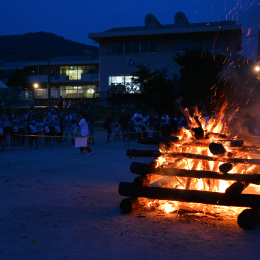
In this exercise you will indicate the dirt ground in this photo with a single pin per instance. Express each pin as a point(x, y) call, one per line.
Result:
point(58, 204)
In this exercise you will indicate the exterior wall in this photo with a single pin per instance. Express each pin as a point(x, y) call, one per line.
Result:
point(227, 33)
point(118, 64)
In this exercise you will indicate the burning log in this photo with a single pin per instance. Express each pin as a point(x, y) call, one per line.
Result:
point(215, 135)
point(205, 197)
point(142, 153)
point(154, 153)
point(157, 141)
point(128, 205)
point(141, 168)
point(225, 167)
point(248, 178)
point(142, 181)
point(248, 219)
point(198, 132)
point(220, 115)
point(229, 120)
point(217, 149)
point(236, 188)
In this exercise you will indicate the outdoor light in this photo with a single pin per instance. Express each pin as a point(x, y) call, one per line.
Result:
point(35, 85)
point(257, 68)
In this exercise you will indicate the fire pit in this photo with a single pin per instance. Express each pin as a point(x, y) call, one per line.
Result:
point(204, 166)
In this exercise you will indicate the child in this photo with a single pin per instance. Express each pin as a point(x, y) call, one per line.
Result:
point(33, 131)
point(138, 127)
point(15, 134)
point(74, 130)
point(117, 131)
point(58, 132)
point(91, 132)
point(150, 132)
point(47, 133)
point(2, 136)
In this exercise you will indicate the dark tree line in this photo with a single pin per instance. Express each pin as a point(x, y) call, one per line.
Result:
point(196, 86)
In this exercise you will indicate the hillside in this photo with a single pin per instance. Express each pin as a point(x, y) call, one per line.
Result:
point(37, 46)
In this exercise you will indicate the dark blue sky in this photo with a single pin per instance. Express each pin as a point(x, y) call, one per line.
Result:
point(75, 19)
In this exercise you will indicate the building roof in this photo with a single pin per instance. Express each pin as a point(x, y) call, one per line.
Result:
point(62, 60)
point(153, 27)
point(2, 84)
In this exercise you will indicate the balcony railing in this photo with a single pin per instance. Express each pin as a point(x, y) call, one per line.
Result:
point(62, 78)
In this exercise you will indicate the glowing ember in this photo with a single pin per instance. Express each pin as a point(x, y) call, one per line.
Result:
point(212, 130)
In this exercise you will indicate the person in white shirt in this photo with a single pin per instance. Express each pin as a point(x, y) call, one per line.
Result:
point(33, 132)
point(83, 123)
point(2, 137)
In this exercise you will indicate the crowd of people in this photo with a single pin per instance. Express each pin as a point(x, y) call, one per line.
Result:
point(54, 125)
point(141, 124)
point(51, 126)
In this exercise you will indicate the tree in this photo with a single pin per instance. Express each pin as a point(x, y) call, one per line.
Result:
point(199, 74)
point(17, 79)
point(158, 91)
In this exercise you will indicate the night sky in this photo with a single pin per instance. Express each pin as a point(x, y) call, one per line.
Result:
point(75, 19)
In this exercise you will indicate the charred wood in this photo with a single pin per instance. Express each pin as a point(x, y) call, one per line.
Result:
point(129, 205)
point(198, 132)
point(142, 181)
point(156, 141)
point(154, 153)
point(142, 153)
point(236, 188)
point(217, 149)
point(225, 167)
point(249, 178)
point(248, 219)
point(140, 168)
point(215, 135)
point(205, 197)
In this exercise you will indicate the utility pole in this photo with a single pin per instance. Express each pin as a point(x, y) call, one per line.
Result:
point(49, 81)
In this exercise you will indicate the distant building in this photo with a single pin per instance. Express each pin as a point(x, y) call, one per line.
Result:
point(70, 76)
point(120, 49)
point(258, 47)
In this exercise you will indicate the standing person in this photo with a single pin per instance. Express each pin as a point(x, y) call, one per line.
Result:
point(107, 126)
point(47, 134)
point(58, 133)
point(83, 123)
point(33, 132)
point(22, 124)
point(67, 123)
point(117, 131)
point(124, 122)
point(7, 118)
point(2, 137)
point(91, 132)
point(74, 130)
point(60, 102)
point(138, 128)
point(15, 134)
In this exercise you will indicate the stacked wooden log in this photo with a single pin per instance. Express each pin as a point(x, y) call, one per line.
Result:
point(141, 186)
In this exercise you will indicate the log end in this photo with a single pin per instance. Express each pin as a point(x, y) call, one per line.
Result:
point(247, 219)
point(217, 149)
point(129, 205)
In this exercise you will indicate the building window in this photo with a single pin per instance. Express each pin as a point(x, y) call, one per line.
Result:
point(128, 82)
point(208, 44)
point(73, 72)
point(128, 47)
point(86, 91)
point(132, 47)
point(177, 46)
point(144, 46)
point(136, 47)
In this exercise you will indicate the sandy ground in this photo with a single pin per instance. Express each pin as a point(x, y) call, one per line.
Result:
point(58, 204)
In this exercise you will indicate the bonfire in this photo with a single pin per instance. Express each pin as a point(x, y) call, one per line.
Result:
point(202, 169)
